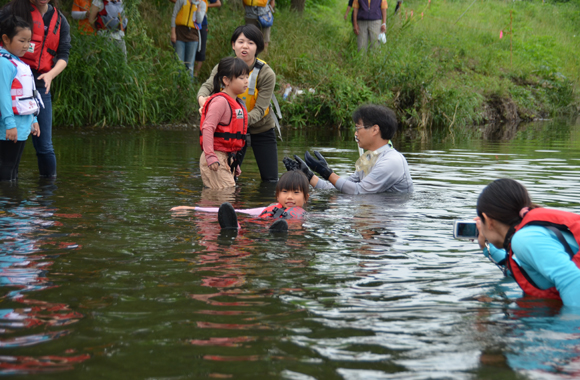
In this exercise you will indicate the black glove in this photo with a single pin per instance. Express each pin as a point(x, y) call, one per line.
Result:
point(298, 165)
point(290, 164)
point(320, 166)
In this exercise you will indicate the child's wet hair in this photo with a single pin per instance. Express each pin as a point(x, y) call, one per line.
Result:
point(293, 180)
point(11, 26)
point(229, 67)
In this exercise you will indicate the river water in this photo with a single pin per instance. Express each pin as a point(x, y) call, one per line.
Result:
point(101, 281)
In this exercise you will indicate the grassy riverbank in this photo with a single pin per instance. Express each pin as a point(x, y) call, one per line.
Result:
point(445, 68)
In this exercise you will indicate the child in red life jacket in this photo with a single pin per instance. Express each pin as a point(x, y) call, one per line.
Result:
point(19, 101)
point(291, 195)
point(224, 125)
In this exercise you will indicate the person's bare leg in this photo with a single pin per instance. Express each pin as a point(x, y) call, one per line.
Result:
point(197, 68)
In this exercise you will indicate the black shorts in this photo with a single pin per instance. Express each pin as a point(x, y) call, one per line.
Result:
point(200, 54)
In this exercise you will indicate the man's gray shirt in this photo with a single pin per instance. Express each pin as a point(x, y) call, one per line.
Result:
point(389, 174)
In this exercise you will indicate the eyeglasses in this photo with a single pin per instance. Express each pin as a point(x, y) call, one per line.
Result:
point(359, 127)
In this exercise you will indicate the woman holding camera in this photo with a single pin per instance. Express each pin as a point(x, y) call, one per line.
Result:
point(536, 246)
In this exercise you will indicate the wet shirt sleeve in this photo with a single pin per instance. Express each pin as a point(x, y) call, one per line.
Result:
point(7, 74)
point(388, 170)
point(543, 257)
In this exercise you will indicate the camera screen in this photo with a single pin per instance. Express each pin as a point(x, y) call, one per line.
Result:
point(467, 229)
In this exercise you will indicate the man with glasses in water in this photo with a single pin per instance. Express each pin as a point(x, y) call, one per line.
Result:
point(380, 169)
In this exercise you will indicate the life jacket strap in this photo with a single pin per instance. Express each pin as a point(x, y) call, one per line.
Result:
point(278, 213)
point(57, 24)
point(227, 135)
point(254, 77)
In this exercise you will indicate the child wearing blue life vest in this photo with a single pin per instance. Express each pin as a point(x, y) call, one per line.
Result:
point(292, 192)
point(224, 125)
point(19, 100)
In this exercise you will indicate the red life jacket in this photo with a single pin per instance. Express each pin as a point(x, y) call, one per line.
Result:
point(43, 47)
point(556, 221)
point(275, 210)
point(227, 137)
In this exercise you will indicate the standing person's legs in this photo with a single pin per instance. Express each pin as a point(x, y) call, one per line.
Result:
point(265, 31)
point(43, 143)
point(179, 47)
point(10, 153)
point(363, 35)
point(266, 34)
point(219, 179)
point(189, 54)
point(374, 28)
point(200, 55)
point(266, 153)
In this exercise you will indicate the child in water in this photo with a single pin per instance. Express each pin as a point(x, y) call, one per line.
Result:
point(292, 192)
point(224, 125)
point(19, 101)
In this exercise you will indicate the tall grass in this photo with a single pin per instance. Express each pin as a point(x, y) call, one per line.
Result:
point(442, 68)
point(101, 88)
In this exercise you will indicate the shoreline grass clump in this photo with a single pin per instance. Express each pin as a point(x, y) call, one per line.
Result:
point(444, 65)
point(100, 87)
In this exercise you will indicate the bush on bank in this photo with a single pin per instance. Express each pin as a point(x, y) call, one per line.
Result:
point(442, 68)
point(100, 88)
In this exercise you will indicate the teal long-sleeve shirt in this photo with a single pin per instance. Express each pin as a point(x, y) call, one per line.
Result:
point(8, 120)
point(539, 252)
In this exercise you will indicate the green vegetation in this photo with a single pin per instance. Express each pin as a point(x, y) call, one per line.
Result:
point(100, 88)
point(437, 69)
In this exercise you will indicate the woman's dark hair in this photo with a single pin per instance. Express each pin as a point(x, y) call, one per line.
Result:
point(229, 67)
point(502, 200)
point(293, 180)
point(11, 25)
point(372, 114)
point(252, 33)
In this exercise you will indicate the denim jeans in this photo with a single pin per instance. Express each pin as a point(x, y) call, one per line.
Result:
point(186, 53)
point(43, 143)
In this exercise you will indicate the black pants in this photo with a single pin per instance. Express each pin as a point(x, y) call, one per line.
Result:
point(10, 153)
point(266, 153)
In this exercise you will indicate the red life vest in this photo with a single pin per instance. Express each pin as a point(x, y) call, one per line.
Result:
point(83, 6)
point(43, 47)
point(275, 210)
point(560, 220)
point(25, 99)
point(227, 137)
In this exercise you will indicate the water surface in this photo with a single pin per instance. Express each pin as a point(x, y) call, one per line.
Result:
point(100, 280)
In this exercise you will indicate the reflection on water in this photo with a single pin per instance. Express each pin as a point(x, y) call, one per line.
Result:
point(100, 280)
point(25, 260)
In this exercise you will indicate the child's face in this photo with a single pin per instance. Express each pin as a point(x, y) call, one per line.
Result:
point(291, 198)
point(239, 85)
point(20, 42)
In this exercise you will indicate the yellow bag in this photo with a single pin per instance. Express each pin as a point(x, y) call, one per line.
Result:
point(256, 3)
